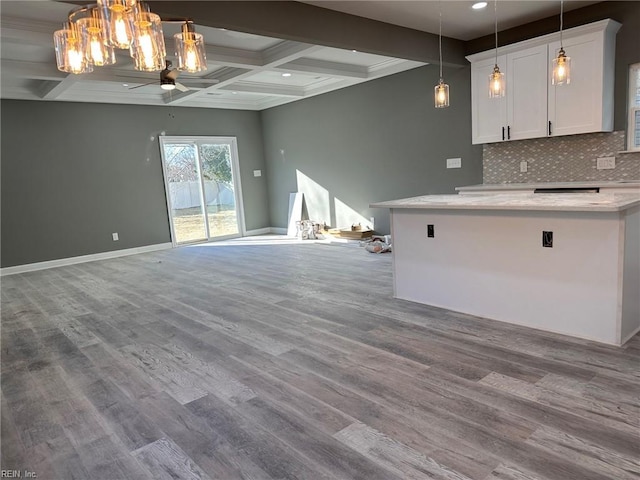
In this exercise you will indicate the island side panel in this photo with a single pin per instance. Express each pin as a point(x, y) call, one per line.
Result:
point(492, 264)
point(631, 276)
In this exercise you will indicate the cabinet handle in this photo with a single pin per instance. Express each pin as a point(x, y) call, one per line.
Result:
point(503, 133)
point(509, 132)
point(549, 127)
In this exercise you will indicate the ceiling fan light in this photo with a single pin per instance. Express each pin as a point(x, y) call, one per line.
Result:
point(147, 47)
point(190, 52)
point(70, 46)
point(167, 85)
point(117, 17)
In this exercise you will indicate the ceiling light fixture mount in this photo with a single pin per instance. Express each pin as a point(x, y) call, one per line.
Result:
point(441, 91)
point(561, 63)
point(496, 78)
point(479, 5)
point(93, 31)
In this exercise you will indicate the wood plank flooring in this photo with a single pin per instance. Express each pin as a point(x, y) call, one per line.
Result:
point(294, 361)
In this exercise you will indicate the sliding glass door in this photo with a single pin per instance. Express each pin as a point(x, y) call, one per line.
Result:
point(203, 188)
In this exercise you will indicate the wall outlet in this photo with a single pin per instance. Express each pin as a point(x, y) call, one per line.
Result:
point(523, 167)
point(454, 163)
point(431, 231)
point(547, 239)
point(115, 237)
point(605, 163)
point(257, 173)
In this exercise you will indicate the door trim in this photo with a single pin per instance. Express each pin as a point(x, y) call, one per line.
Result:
point(235, 171)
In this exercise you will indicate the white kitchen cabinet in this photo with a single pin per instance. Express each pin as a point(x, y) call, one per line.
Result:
point(522, 112)
point(532, 107)
point(489, 114)
point(527, 93)
point(586, 103)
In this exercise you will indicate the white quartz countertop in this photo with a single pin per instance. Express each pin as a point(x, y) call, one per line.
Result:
point(532, 186)
point(577, 202)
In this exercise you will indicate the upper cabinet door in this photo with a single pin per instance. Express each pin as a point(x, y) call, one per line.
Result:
point(527, 93)
point(586, 103)
point(489, 114)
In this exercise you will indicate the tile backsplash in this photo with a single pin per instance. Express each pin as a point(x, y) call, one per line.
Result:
point(561, 159)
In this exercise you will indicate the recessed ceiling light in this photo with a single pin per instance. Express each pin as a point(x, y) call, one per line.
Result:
point(479, 5)
point(354, 51)
point(234, 93)
point(125, 84)
point(286, 74)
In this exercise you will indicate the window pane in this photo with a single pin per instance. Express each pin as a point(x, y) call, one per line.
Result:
point(636, 130)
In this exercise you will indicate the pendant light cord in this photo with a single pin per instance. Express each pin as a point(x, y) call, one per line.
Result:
point(495, 11)
point(440, 41)
point(561, 12)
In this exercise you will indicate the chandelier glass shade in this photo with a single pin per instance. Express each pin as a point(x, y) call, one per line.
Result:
point(70, 46)
point(190, 52)
point(93, 32)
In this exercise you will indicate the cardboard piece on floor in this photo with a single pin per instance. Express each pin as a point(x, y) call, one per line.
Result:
point(295, 212)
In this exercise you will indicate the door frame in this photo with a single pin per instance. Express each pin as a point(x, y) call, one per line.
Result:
point(235, 172)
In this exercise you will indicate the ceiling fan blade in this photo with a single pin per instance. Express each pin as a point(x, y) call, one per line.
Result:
point(143, 85)
point(172, 74)
point(181, 87)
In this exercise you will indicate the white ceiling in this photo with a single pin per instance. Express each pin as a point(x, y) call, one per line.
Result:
point(244, 70)
point(459, 20)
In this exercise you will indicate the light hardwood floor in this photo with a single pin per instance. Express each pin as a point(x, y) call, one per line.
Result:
point(295, 362)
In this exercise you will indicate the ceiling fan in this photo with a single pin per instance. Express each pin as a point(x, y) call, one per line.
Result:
point(168, 78)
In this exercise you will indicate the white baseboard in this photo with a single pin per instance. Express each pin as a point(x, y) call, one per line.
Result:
point(258, 231)
point(31, 267)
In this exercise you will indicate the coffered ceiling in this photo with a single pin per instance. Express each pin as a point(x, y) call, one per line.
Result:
point(245, 69)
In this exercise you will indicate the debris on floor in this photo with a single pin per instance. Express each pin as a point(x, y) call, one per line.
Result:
point(377, 244)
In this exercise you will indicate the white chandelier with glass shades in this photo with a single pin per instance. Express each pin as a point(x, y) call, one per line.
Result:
point(92, 33)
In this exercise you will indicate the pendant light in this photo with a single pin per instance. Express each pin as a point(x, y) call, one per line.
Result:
point(92, 32)
point(190, 52)
point(441, 94)
point(562, 63)
point(496, 79)
point(117, 16)
point(70, 45)
point(89, 22)
point(147, 46)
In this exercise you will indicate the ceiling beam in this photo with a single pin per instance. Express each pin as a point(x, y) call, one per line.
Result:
point(51, 90)
point(334, 69)
point(267, 89)
point(318, 26)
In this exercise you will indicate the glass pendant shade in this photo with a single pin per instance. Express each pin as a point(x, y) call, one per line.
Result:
point(70, 45)
point(561, 69)
point(441, 95)
point(147, 48)
point(89, 22)
point(117, 16)
point(190, 53)
point(496, 83)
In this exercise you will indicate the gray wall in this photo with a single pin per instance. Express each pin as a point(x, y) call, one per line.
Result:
point(73, 173)
point(376, 141)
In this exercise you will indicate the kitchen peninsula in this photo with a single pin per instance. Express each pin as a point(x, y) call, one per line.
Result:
point(565, 263)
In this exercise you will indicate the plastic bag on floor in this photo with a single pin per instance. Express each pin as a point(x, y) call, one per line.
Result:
point(377, 246)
